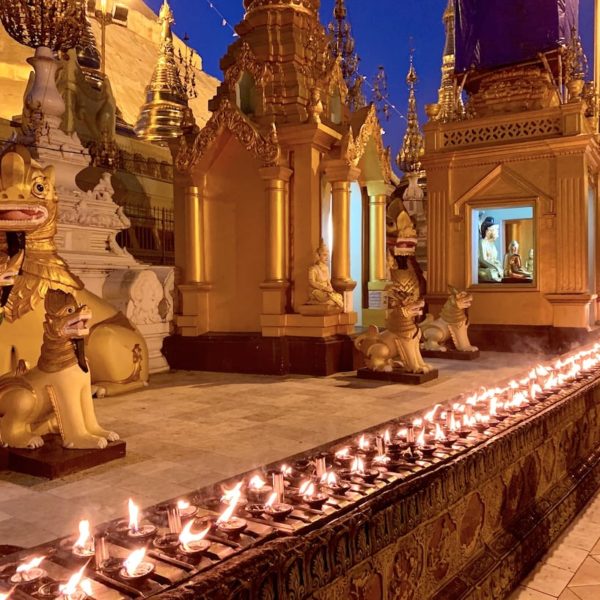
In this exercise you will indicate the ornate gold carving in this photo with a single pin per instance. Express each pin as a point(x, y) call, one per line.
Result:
point(265, 147)
point(55, 24)
point(353, 149)
point(530, 128)
point(246, 60)
point(307, 5)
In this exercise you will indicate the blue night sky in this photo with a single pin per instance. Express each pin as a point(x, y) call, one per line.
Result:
point(383, 30)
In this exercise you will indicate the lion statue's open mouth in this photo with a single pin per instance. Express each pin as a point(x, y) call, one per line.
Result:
point(23, 217)
point(77, 326)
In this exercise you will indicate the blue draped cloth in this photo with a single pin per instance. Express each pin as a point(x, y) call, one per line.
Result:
point(494, 33)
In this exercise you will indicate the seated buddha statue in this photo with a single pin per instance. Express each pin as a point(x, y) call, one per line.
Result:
point(513, 267)
point(321, 291)
point(490, 268)
point(529, 262)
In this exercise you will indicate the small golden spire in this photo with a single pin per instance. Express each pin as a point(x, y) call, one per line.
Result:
point(409, 157)
point(449, 101)
point(166, 98)
point(342, 47)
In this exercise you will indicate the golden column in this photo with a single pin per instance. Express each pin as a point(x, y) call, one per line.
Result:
point(340, 176)
point(195, 271)
point(276, 271)
point(378, 191)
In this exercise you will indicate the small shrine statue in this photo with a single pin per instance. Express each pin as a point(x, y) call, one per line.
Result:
point(319, 280)
point(490, 267)
point(529, 263)
point(56, 395)
point(513, 268)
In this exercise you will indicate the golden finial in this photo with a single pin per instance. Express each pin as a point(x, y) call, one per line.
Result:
point(166, 97)
point(449, 101)
point(342, 47)
point(409, 157)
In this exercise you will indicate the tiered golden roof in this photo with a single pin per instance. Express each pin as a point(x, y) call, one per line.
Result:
point(310, 5)
point(409, 157)
point(166, 100)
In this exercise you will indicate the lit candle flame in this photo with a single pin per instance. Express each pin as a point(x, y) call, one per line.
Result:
point(430, 416)
point(228, 495)
point(387, 437)
point(440, 436)
point(228, 512)
point(84, 539)
point(134, 514)
point(86, 586)
point(421, 438)
point(343, 453)
point(6, 595)
point(256, 483)
point(363, 443)
point(402, 433)
point(381, 459)
point(36, 561)
point(358, 465)
point(103, 6)
point(133, 561)
point(271, 499)
point(186, 536)
point(307, 489)
point(417, 422)
point(493, 406)
point(453, 425)
point(286, 470)
point(68, 589)
point(329, 478)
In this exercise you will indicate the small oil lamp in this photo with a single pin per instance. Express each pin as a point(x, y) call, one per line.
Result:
point(426, 449)
point(229, 524)
point(330, 481)
point(193, 544)
point(137, 530)
point(444, 439)
point(135, 568)
point(30, 571)
point(84, 545)
point(186, 510)
point(358, 469)
point(308, 493)
point(381, 460)
point(258, 489)
point(73, 589)
point(344, 458)
point(278, 511)
point(365, 447)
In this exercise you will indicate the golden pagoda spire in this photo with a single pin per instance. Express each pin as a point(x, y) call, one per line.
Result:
point(449, 101)
point(342, 46)
point(409, 157)
point(166, 98)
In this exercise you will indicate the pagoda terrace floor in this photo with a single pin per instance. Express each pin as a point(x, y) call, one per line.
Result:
point(191, 429)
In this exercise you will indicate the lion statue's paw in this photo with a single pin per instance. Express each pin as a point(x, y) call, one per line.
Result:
point(85, 442)
point(113, 436)
point(35, 442)
point(98, 391)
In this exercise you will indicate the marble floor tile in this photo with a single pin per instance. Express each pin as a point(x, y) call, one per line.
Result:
point(566, 557)
point(568, 595)
point(523, 593)
point(548, 579)
point(584, 534)
point(587, 574)
point(586, 592)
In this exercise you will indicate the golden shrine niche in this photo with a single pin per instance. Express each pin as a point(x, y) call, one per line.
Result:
point(281, 165)
point(513, 196)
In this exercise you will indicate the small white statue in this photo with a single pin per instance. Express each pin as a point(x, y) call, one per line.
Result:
point(319, 281)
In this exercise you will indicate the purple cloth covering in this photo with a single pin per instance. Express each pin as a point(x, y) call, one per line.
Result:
point(493, 33)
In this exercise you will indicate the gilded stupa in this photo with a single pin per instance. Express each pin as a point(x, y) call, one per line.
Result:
point(166, 98)
point(131, 52)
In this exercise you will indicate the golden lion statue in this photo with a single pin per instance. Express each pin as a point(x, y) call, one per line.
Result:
point(398, 345)
point(28, 212)
point(452, 324)
point(57, 394)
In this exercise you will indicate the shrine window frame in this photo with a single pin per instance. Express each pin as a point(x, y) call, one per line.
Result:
point(472, 208)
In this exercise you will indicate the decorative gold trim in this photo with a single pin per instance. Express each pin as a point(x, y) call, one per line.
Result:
point(228, 117)
point(246, 61)
point(337, 82)
point(353, 149)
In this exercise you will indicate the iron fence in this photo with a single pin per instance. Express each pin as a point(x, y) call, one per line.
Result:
point(151, 237)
